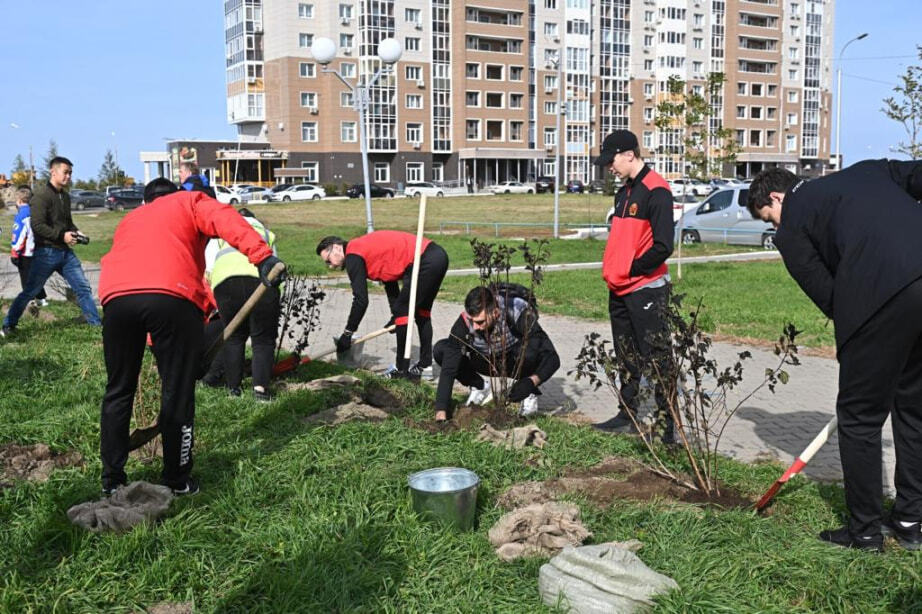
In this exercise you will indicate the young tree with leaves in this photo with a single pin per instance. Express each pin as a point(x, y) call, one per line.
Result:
point(906, 108)
point(109, 172)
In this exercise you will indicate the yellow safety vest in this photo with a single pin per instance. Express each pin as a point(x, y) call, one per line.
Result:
point(231, 263)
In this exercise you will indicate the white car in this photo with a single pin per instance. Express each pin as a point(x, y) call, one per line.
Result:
point(512, 187)
point(224, 195)
point(423, 187)
point(298, 191)
point(681, 187)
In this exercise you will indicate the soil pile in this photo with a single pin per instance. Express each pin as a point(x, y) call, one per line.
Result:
point(33, 462)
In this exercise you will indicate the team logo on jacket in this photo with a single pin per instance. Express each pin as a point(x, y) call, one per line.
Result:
point(632, 210)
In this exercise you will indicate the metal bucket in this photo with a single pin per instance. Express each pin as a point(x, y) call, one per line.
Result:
point(447, 495)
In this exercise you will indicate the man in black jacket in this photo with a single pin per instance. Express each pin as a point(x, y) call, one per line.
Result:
point(55, 235)
point(496, 335)
point(850, 241)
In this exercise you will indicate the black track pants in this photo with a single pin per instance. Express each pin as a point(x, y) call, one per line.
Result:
point(261, 326)
point(433, 263)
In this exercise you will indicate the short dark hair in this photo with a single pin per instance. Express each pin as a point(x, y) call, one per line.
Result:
point(478, 299)
point(768, 181)
point(157, 188)
point(55, 161)
point(329, 241)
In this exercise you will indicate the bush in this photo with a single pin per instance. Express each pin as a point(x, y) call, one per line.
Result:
point(332, 189)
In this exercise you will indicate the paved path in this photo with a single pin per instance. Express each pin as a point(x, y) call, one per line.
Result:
point(768, 425)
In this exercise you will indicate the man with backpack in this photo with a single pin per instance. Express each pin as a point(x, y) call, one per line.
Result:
point(496, 335)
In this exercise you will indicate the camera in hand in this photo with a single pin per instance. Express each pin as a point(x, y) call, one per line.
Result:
point(81, 238)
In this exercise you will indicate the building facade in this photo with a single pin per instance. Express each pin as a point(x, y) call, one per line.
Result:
point(481, 87)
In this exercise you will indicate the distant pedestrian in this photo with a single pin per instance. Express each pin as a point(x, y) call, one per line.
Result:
point(55, 235)
point(850, 240)
point(634, 268)
point(22, 245)
point(191, 179)
point(470, 185)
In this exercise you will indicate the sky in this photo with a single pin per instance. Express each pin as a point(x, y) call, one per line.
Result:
point(126, 75)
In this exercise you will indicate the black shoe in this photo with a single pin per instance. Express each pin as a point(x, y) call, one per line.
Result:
point(262, 396)
point(398, 374)
point(234, 392)
point(842, 537)
point(909, 537)
point(212, 383)
point(109, 490)
point(190, 488)
point(6, 331)
point(620, 424)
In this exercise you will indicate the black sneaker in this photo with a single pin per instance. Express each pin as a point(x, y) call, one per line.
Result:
point(842, 537)
point(235, 392)
point(397, 374)
point(190, 488)
point(262, 396)
point(909, 537)
point(109, 490)
point(620, 424)
point(6, 331)
point(418, 372)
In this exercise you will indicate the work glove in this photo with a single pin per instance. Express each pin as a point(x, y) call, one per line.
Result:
point(265, 267)
point(344, 341)
point(521, 389)
point(391, 323)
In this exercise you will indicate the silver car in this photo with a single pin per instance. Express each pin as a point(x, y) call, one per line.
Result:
point(723, 218)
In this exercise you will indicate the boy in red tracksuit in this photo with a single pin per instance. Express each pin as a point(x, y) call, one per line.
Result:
point(387, 256)
point(634, 268)
point(151, 282)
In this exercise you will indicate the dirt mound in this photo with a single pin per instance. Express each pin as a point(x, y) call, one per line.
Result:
point(33, 462)
point(611, 480)
point(471, 418)
point(171, 608)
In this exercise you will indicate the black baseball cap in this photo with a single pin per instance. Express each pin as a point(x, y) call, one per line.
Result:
point(615, 143)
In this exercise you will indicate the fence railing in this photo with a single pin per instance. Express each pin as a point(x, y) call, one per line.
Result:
point(592, 226)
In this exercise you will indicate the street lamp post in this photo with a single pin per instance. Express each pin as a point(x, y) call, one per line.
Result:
point(389, 51)
point(557, 170)
point(839, 101)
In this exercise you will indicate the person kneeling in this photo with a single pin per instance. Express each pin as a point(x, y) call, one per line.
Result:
point(496, 335)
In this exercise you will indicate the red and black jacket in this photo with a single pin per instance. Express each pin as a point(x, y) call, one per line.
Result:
point(641, 234)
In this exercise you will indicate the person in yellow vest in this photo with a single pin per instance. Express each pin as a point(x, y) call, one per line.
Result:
point(233, 280)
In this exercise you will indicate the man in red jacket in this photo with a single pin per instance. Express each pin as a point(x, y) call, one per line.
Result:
point(387, 256)
point(634, 267)
point(151, 282)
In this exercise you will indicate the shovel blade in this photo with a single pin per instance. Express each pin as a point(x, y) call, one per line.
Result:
point(141, 436)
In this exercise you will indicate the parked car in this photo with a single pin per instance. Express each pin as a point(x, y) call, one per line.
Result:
point(545, 184)
point(240, 186)
point(723, 218)
point(417, 189)
point(224, 195)
point(253, 192)
point(575, 186)
point(688, 186)
point(683, 203)
point(86, 199)
point(297, 191)
point(512, 187)
point(128, 198)
point(358, 191)
point(596, 186)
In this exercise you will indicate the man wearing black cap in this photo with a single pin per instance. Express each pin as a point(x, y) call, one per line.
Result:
point(634, 267)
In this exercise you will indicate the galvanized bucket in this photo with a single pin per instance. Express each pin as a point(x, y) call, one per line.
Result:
point(447, 495)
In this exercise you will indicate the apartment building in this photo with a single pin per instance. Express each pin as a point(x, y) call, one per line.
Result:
point(481, 87)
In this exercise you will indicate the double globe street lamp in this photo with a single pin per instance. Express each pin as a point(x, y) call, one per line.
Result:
point(389, 52)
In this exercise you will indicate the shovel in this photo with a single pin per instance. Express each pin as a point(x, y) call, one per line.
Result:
point(292, 362)
point(142, 435)
point(798, 464)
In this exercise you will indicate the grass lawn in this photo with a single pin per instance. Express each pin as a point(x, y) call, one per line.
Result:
point(298, 518)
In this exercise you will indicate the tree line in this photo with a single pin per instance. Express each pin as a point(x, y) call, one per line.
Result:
point(110, 173)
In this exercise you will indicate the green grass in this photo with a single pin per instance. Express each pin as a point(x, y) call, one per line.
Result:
point(298, 518)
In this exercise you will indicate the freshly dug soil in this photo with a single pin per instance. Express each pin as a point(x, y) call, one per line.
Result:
point(171, 608)
point(33, 462)
point(615, 479)
point(471, 419)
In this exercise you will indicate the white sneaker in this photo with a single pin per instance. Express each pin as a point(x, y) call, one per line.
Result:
point(481, 396)
point(529, 405)
point(43, 302)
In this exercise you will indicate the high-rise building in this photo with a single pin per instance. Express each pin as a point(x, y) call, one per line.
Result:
point(480, 87)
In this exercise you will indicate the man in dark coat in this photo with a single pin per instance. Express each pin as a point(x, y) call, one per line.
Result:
point(850, 241)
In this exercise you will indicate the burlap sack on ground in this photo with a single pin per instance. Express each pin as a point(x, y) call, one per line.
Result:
point(126, 507)
point(346, 412)
point(540, 529)
point(514, 438)
point(600, 579)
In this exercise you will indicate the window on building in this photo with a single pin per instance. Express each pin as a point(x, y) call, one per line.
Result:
point(647, 40)
point(438, 171)
point(647, 89)
point(793, 53)
point(494, 130)
point(347, 133)
point(494, 100)
point(551, 28)
point(791, 119)
point(772, 90)
point(494, 72)
point(516, 130)
point(698, 90)
point(697, 67)
point(755, 89)
point(792, 74)
point(755, 138)
point(414, 101)
point(472, 70)
point(305, 40)
point(740, 112)
point(795, 30)
point(515, 73)
point(699, 19)
point(345, 11)
point(550, 82)
point(416, 171)
point(305, 11)
point(414, 73)
point(648, 64)
point(472, 99)
point(755, 113)
point(741, 138)
point(414, 133)
point(648, 16)
point(309, 132)
point(648, 114)
point(792, 95)
point(698, 43)
point(550, 4)
point(771, 113)
point(347, 69)
point(311, 171)
point(308, 99)
point(413, 15)
point(741, 88)
point(382, 172)
point(472, 129)
point(647, 139)
point(411, 43)
point(515, 101)
point(550, 108)
point(550, 137)
point(770, 138)
point(790, 143)
point(307, 70)
point(346, 99)
point(346, 40)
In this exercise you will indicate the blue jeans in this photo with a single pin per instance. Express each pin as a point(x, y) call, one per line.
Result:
point(45, 262)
